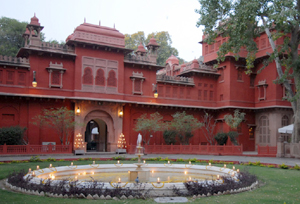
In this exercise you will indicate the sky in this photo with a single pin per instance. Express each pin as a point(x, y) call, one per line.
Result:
point(61, 17)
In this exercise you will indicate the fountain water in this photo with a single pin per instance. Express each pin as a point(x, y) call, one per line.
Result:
point(142, 174)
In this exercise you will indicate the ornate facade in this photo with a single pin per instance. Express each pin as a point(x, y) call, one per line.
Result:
point(96, 74)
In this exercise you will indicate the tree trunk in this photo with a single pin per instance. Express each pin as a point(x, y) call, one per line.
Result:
point(294, 54)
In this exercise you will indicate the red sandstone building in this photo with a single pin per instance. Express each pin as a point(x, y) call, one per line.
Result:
point(96, 74)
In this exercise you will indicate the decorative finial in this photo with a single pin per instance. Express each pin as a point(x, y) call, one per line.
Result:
point(114, 26)
point(34, 14)
point(84, 20)
point(99, 23)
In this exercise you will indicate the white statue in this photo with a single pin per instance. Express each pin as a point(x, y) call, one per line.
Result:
point(139, 140)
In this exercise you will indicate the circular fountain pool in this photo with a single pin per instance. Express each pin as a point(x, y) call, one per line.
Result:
point(161, 178)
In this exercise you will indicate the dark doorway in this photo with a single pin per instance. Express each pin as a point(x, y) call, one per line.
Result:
point(96, 136)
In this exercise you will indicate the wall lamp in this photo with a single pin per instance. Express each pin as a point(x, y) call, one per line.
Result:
point(78, 111)
point(155, 94)
point(34, 83)
point(155, 90)
point(121, 113)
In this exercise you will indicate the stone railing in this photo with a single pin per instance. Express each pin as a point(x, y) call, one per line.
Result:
point(56, 47)
point(175, 79)
point(285, 149)
point(134, 58)
point(116, 41)
point(15, 60)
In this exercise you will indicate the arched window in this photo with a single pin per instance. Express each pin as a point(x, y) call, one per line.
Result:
point(100, 79)
point(111, 80)
point(284, 121)
point(264, 132)
point(88, 76)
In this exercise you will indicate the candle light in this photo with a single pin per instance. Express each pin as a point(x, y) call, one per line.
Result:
point(218, 177)
point(144, 161)
point(158, 180)
point(84, 173)
point(37, 167)
point(29, 170)
point(118, 161)
point(189, 162)
point(93, 162)
point(92, 173)
point(75, 177)
point(233, 167)
point(232, 174)
point(129, 172)
point(209, 164)
point(119, 180)
point(190, 178)
point(185, 172)
point(33, 174)
point(238, 171)
point(152, 171)
point(224, 165)
point(71, 163)
point(168, 162)
point(50, 165)
point(53, 177)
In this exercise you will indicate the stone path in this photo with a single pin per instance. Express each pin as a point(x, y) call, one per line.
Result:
point(272, 160)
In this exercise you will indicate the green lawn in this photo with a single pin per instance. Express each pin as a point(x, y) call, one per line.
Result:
point(280, 186)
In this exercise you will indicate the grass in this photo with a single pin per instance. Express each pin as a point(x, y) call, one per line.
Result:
point(280, 186)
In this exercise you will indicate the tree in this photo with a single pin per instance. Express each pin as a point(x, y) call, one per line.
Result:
point(162, 38)
point(243, 21)
point(61, 120)
point(11, 40)
point(148, 125)
point(208, 129)
point(185, 125)
point(233, 121)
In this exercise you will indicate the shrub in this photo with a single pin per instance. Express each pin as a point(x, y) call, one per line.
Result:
point(212, 187)
point(73, 188)
point(192, 159)
point(50, 159)
point(169, 137)
point(296, 167)
point(221, 138)
point(179, 160)
point(232, 136)
point(271, 166)
point(12, 135)
point(283, 166)
point(35, 159)
point(119, 158)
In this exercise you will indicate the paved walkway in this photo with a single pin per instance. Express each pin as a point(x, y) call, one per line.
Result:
point(272, 160)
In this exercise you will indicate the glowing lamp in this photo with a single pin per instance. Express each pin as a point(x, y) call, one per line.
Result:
point(155, 94)
point(34, 83)
point(78, 111)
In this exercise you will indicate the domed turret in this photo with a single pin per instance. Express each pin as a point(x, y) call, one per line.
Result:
point(195, 64)
point(152, 49)
point(152, 42)
point(34, 21)
point(172, 60)
point(141, 50)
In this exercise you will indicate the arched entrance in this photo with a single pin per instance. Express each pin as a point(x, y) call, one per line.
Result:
point(96, 136)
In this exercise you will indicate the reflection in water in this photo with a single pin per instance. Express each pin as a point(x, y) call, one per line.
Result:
point(166, 177)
